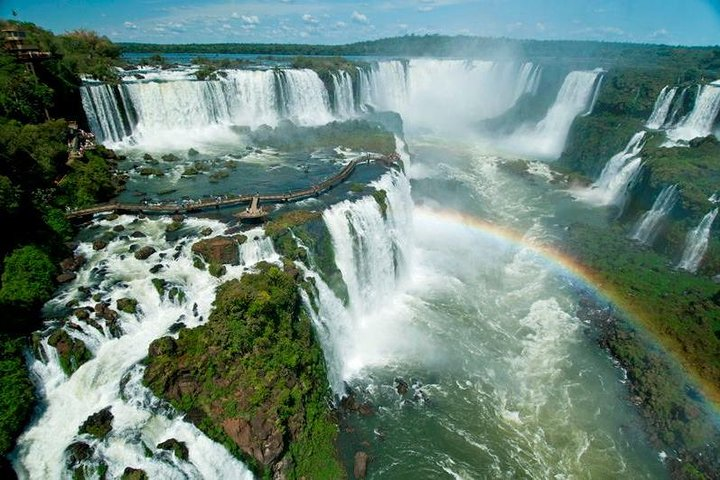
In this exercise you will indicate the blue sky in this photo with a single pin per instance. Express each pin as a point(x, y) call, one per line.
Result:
point(686, 22)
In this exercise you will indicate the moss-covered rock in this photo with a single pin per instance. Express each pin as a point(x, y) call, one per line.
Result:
point(127, 305)
point(217, 269)
point(98, 424)
point(71, 351)
point(254, 377)
point(177, 447)
point(221, 249)
point(133, 474)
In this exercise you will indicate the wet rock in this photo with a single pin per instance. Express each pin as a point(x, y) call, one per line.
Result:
point(221, 250)
point(156, 268)
point(66, 277)
point(177, 218)
point(170, 157)
point(133, 474)
point(177, 447)
point(99, 244)
point(174, 227)
point(103, 310)
point(144, 252)
point(260, 437)
point(176, 327)
point(401, 386)
point(159, 285)
point(360, 467)
point(162, 346)
point(72, 352)
point(98, 424)
point(137, 234)
point(147, 156)
point(206, 231)
point(217, 270)
point(127, 305)
point(78, 452)
point(82, 314)
point(118, 228)
point(111, 217)
point(72, 264)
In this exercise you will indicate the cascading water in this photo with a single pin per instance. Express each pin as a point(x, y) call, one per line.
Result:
point(372, 251)
point(595, 96)
point(662, 108)
point(697, 242)
point(649, 224)
point(611, 187)
point(113, 376)
point(547, 138)
point(343, 94)
point(701, 120)
point(172, 108)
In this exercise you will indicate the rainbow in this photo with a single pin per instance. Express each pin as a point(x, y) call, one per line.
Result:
point(590, 279)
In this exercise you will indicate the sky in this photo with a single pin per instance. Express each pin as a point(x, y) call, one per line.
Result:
point(674, 22)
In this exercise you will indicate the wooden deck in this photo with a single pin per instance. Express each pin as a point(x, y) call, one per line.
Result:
point(229, 201)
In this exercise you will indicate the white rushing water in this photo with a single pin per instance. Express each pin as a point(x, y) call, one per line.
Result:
point(611, 186)
point(546, 139)
point(113, 377)
point(344, 98)
point(649, 224)
point(372, 253)
point(697, 242)
point(701, 120)
point(660, 112)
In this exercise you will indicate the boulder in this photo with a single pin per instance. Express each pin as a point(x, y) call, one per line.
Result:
point(177, 447)
point(138, 234)
point(78, 452)
point(66, 277)
point(81, 314)
point(401, 386)
point(71, 352)
point(360, 467)
point(127, 305)
point(133, 474)
point(72, 264)
point(144, 252)
point(162, 346)
point(98, 424)
point(99, 244)
point(260, 437)
point(221, 250)
point(103, 310)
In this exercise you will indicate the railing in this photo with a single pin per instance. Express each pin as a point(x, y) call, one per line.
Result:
point(220, 202)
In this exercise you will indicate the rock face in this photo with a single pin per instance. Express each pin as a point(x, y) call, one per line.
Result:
point(360, 467)
point(267, 393)
point(144, 252)
point(220, 250)
point(66, 277)
point(127, 305)
point(134, 474)
point(98, 424)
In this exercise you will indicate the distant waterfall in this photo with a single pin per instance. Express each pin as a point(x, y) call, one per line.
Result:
point(611, 186)
point(446, 94)
point(595, 96)
point(547, 138)
point(371, 251)
point(700, 121)
point(697, 242)
point(647, 227)
point(661, 109)
point(168, 104)
point(344, 99)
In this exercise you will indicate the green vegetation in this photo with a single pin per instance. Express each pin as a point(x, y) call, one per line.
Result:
point(16, 392)
point(254, 377)
point(358, 135)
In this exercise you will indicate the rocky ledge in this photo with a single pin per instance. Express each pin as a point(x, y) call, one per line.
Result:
point(254, 378)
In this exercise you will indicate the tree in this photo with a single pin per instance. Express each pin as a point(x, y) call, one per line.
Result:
point(27, 280)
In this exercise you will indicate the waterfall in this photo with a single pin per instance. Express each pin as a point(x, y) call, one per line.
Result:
point(547, 138)
point(113, 376)
point(649, 224)
point(697, 242)
point(344, 99)
point(661, 109)
point(677, 108)
point(305, 97)
point(446, 94)
point(611, 186)
point(372, 252)
point(172, 106)
point(701, 120)
point(595, 96)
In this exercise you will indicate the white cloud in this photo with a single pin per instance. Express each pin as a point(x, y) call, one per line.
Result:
point(307, 18)
point(540, 26)
point(359, 17)
point(662, 33)
point(340, 24)
point(130, 25)
point(250, 19)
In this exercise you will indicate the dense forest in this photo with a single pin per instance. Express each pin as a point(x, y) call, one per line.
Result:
point(38, 181)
